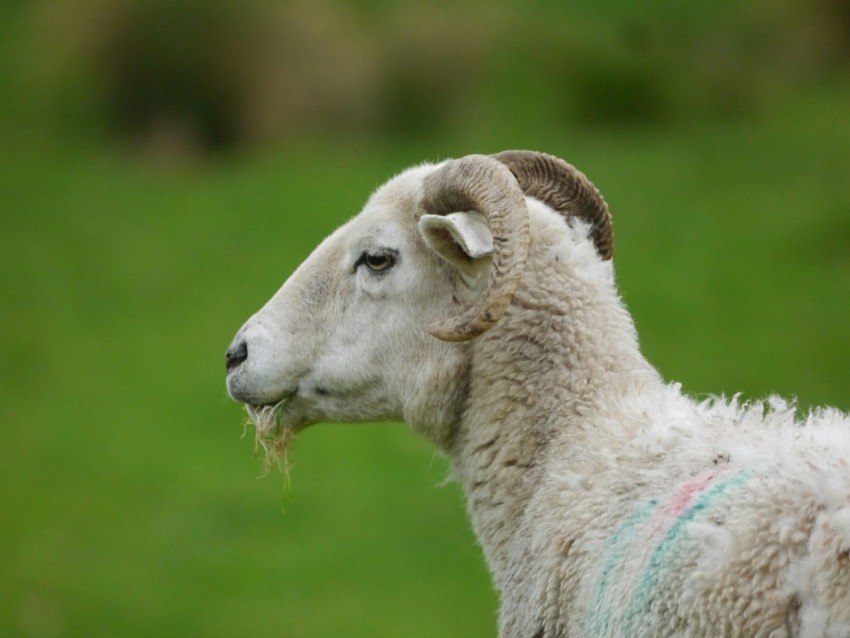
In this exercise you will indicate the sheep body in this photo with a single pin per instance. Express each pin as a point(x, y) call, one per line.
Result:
point(607, 503)
point(728, 520)
point(640, 512)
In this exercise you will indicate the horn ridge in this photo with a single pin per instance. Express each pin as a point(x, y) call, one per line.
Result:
point(565, 189)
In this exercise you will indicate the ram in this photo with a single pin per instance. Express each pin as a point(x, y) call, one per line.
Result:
point(475, 300)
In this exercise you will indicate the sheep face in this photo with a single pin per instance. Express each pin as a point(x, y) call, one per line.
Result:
point(437, 252)
point(347, 336)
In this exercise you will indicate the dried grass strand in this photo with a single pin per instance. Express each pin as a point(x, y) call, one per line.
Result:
point(272, 436)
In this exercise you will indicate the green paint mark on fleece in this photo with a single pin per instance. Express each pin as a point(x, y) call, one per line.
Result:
point(599, 616)
point(649, 577)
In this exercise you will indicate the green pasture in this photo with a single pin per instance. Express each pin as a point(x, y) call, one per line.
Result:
point(131, 503)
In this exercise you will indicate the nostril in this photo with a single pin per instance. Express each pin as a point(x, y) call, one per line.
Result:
point(236, 354)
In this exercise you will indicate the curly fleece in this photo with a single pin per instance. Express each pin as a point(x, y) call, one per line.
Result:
point(609, 504)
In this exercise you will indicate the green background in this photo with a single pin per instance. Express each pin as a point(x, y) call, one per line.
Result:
point(137, 233)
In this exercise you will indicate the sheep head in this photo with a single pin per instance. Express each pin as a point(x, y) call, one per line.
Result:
point(438, 250)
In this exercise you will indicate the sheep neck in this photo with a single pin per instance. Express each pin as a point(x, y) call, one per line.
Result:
point(543, 371)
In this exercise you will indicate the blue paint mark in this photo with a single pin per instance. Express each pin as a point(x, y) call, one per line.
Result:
point(599, 614)
point(649, 577)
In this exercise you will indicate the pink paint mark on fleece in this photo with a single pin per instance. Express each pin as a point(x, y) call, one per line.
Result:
point(683, 498)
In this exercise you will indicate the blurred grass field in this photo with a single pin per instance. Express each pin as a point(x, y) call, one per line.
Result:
point(131, 505)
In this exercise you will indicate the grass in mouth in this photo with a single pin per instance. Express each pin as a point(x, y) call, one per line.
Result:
point(274, 438)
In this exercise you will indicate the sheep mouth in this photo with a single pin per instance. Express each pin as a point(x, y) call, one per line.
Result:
point(272, 434)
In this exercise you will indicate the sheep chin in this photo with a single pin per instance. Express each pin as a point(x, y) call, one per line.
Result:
point(271, 433)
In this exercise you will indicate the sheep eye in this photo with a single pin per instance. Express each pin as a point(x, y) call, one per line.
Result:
point(379, 262)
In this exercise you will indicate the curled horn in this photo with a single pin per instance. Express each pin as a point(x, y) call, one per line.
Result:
point(495, 186)
point(565, 189)
point(486, 185)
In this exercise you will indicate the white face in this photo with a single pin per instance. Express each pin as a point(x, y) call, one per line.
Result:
point(346, 337)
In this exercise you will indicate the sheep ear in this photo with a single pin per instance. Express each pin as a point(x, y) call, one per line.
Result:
point(462, 239)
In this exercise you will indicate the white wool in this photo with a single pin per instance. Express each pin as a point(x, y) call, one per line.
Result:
point(607, 502)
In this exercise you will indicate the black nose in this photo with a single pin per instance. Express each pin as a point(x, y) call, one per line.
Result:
point(236, 354)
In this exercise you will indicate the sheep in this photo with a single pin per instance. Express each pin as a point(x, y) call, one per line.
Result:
point(475, 300)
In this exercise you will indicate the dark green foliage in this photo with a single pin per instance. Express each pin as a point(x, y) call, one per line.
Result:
point(189, 78)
